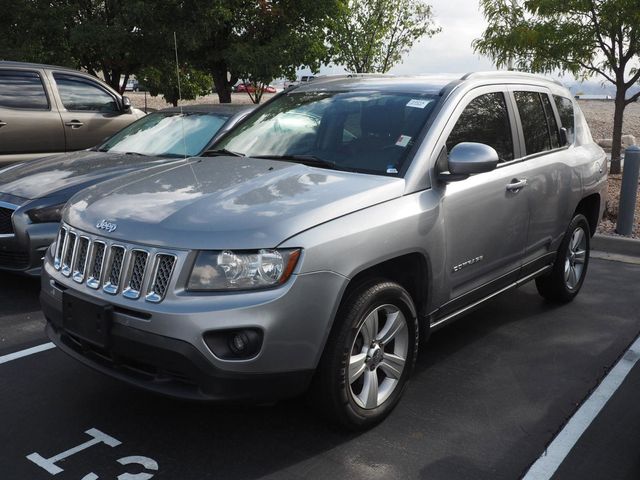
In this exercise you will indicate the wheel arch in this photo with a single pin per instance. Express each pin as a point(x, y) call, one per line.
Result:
point(589, 206)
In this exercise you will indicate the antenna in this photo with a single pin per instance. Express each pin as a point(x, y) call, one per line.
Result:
point(184, 141)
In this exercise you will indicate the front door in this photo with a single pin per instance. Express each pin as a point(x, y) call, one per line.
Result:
point(486, 215)
point(90, 113)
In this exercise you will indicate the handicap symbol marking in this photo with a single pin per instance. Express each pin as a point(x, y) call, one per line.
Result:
point(49, 464)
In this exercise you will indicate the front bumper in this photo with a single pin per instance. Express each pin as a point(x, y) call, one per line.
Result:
point(161, 347)
point(24, 250)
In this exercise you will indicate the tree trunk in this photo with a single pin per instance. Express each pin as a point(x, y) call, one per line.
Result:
point(223, 85)
point(616, 140)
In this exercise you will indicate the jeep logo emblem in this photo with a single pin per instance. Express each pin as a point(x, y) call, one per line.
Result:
point(105, 225)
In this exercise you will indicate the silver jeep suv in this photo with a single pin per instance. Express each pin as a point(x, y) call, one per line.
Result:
point(325, 234)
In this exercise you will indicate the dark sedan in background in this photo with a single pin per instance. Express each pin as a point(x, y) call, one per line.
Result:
point(32, 194)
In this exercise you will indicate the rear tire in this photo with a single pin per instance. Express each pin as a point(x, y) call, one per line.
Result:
point(369, 356)
point(570, 268)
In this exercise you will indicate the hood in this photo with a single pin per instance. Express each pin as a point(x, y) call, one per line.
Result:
point(225, 202)
point(69, 173)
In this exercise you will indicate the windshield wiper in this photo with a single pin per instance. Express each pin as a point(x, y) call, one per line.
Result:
point(310, 160)
point(222, 151)
point(136, 153)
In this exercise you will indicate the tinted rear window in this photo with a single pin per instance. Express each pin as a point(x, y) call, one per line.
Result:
point(22, 90)
point(565, 110)
point(534, 122)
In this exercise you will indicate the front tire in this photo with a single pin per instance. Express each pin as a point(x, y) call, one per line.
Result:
point(570, 268)
point(368, 357)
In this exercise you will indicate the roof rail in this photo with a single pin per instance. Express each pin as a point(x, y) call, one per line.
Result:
point(508, 73)
point(339, 76)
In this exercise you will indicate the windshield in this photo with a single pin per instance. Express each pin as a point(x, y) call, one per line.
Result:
point(368, 132)
point(161, 134)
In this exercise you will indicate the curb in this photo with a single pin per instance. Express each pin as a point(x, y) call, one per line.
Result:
point(617, 245)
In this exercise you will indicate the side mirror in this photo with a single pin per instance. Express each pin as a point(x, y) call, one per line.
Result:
point(467, 158)
point(126, 104)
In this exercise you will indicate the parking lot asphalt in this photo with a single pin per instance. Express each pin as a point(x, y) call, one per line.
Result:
point(488, 395)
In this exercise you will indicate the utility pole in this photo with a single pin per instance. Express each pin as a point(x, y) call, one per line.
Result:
point(514, 6)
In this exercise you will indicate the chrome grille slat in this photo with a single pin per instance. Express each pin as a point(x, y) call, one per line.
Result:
point(80, 263)
point(62, 236)
point(137, 268)
point(114, 271)
point(96, 264)
point(68, 252)
point(161, 277)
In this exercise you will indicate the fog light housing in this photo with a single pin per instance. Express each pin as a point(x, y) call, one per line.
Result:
point(238, 344)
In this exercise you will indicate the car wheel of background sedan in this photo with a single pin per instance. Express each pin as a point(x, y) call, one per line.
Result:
point(369, 356)
point(570, 268)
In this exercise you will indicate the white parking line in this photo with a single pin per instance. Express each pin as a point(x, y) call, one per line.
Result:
point(546, 466)
point(26, 352)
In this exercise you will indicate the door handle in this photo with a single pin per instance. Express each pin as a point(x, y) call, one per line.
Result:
point(516, 185)
point(74, 124)
point(2, 124)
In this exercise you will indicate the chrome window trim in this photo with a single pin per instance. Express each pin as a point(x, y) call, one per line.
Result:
point(152, 296)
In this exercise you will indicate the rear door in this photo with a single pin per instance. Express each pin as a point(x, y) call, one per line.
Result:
point(90, 112)
point(550, 179)
point(30, 125)
point(485, 217)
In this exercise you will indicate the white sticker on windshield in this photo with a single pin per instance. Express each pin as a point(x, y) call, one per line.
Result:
point(403, 141)
point(416, 103)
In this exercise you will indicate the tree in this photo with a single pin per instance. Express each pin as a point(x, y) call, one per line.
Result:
point(583, 37)
point(371, 36)
point(112, 37)
point(255, 40)
point(270, 43)
point(163, 80)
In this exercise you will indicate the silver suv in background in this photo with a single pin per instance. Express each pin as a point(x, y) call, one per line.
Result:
point(46, 109)
point(337, 224)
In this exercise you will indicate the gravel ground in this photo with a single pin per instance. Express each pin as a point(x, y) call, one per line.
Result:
point(599, 115)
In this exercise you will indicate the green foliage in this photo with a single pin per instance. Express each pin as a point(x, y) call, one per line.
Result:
point(583, 37)
point(371, 36)
point(163, 80)
point(271, 39)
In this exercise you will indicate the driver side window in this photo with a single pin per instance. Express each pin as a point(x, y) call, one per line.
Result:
point(485, 120)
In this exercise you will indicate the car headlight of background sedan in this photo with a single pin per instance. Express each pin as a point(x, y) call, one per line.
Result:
point(51, 213)
point(228, 270)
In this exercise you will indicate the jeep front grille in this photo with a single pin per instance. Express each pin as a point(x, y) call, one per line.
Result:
point(67, 255)
point(131, 271)
point(136, 273)
point(162, 275)
point(80, 264)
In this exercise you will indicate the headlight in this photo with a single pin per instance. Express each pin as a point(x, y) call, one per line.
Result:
point(227, 270)
point(47, 214)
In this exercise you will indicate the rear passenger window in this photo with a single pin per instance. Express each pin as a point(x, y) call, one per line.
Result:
point(551, 121)
point(534, 122)
point(565, 110)
point(22, 90)
point(485, 120)
point(78, 94)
